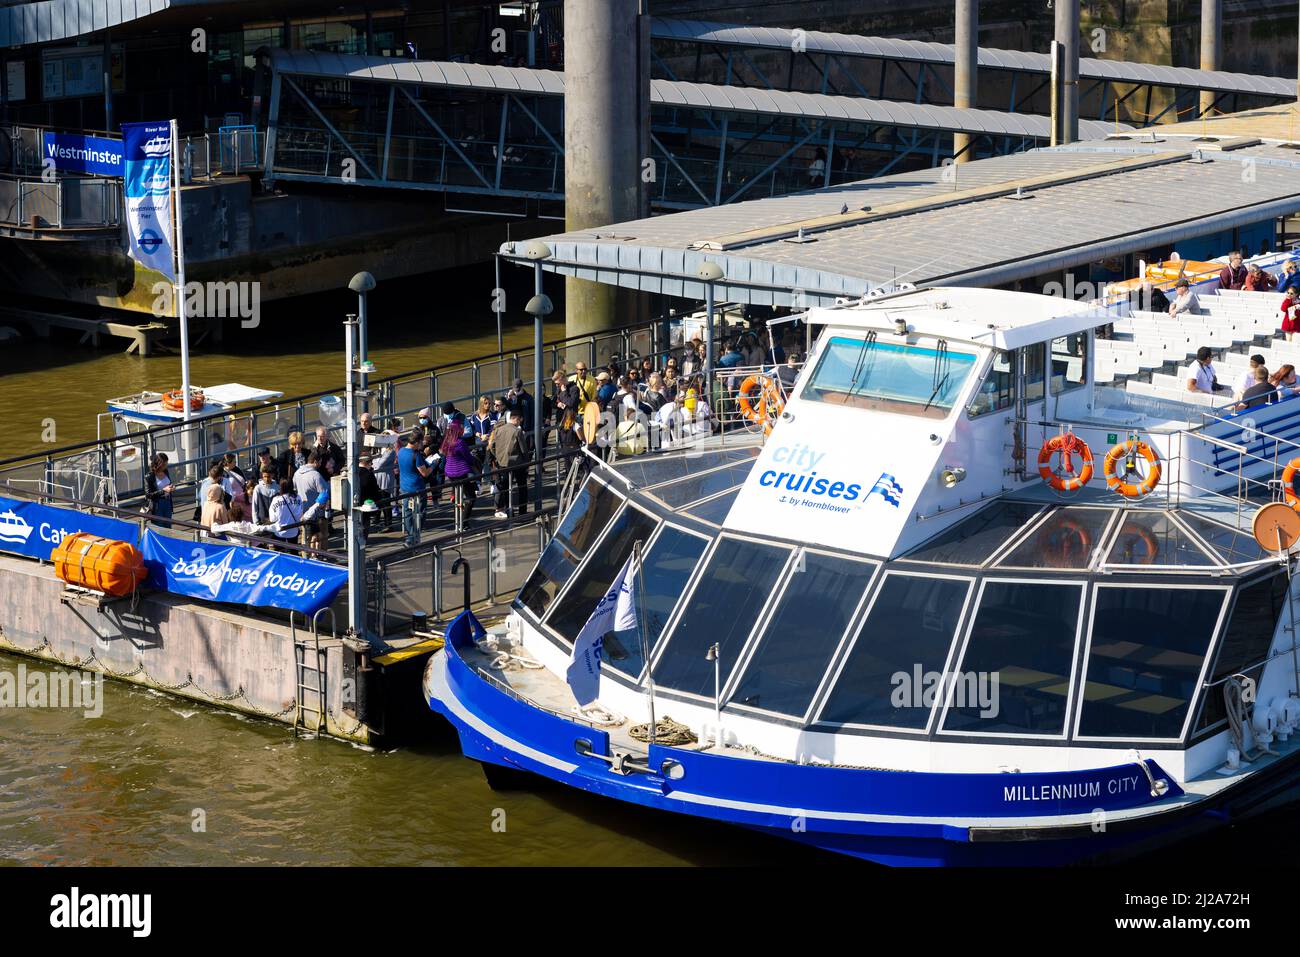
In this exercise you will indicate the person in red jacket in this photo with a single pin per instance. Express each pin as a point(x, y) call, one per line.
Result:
point(1233, 275)
point(1258, 281)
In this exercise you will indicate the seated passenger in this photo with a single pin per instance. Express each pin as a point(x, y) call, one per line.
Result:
point(1290, 278)
point(1261, 393)
point(1184, 300)
point(1284, 380)
point(1233, 275)
point(1247, 378)
point(1200, 375)
point(1258, 281)
point(1152, 299)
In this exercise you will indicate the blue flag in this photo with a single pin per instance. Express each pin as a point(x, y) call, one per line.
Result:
point(616, 611)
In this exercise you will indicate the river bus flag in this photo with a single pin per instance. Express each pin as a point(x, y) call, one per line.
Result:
point(147, 193)
point(616, 611)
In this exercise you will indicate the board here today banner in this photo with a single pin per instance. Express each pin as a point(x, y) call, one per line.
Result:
point(236, 575)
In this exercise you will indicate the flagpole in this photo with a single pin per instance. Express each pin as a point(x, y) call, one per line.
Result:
point(178, 232)
point(645, 641)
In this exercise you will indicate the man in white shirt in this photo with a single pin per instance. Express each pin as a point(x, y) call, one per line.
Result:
point(1200, 375)
point(1247, 379)
point(1184, 300)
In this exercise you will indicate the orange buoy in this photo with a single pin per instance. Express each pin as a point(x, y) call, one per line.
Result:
point(1130, 451)
point(103, 564)
point(175, 401)
point(764, 408)
point(1067, 444)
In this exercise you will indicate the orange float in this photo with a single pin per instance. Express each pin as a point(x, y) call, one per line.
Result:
point(766, 406)
point(102, 564)
point(1067, 444)
point(174, 401)
point(1288, 487)
point(1130, 451)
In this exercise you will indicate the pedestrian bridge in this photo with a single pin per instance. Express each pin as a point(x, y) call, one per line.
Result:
point(496, 130)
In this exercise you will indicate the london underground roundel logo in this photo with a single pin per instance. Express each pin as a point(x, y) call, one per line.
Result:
point(149, 241)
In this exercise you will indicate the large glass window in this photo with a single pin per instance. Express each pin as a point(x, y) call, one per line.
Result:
point(582, 523)
point(796, 646)
point(1246, 639)
point(1069, 362)
point(598, 574)
point(892, 674)
point(1235, 548)
point(702, 486)
point(1147, 650)
point(889, 377)
point(998, 390)
point(1034, 372)
point(715, 509)
point(1065, 539)
point(667, 569)
point(1153, 538)
point(1022, 638)
point(973, 540)
point(724, 607)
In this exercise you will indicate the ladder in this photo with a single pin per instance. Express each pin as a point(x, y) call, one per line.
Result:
point(310, 664)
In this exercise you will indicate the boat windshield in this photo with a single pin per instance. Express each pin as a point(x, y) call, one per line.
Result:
point(889, 377)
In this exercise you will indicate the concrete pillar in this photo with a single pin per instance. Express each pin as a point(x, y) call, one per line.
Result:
point(1067, 34)
point(602, 163)
point(1211, 29)
point(966, 77)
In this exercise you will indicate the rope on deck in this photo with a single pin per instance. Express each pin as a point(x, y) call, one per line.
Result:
point(670, 733)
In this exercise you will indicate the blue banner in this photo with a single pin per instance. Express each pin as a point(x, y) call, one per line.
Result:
point(241, 576)
point(146, 190)
point(74, 153)
point(34, 530)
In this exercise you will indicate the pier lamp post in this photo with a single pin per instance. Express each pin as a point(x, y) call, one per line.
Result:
point(709, 273)
point(361, 284)
point(352, 526)
point(539, 307)
point(535, 252)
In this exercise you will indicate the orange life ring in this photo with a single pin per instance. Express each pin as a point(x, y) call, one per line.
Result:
point(766, 406)
point(1129, 451)
point(175, 402)
point(1067, 444)
point(1288, 488)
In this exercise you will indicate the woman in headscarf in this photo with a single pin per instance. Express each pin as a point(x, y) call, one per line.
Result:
point(214, 508)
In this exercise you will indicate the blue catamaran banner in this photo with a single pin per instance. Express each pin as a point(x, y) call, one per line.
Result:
point(240, 576)
point(35, 530)
point(74, 153)
point(146, 189)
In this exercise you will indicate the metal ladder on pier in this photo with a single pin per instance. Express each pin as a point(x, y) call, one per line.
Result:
point(309, 667)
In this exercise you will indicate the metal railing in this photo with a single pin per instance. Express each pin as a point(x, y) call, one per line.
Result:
point(69, 202)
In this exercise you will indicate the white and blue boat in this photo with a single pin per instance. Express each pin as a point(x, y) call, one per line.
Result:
point(886, 630)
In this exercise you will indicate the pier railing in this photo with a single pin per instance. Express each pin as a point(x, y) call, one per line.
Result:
point(69, 202)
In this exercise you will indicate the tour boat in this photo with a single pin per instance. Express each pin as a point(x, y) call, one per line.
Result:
point(152, 408)
point(983, 594)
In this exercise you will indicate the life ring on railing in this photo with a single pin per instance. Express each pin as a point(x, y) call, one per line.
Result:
point(1068, 444)
point(1130, 451)
point(175, 402)
point(1288, 483)
point(764, 408)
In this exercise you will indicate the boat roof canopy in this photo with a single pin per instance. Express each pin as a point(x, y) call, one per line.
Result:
point(991, 317)
point(233, 393)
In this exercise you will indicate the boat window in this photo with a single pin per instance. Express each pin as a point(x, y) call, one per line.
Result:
point(1233, 547)
point(644, 471)
point(1246, 640)
point(598, 574)
point(1148, 646)
point(1153, 538)
point(892, 672)
point(1034, 372)
point(1069, 362)
point(889, 377)
point(584, 520)
point(1022, 638)
point(795, 649)
point(667, 569)
point(1065, 539)
point(973, 540)
point(998, 390)
point(702, 486)
point(725, 605)
point(715, 509)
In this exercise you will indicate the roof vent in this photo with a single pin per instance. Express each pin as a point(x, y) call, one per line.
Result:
point(801, 238)
point(1020, 194)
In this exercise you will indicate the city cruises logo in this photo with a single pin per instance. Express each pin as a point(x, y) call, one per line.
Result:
point(800, 486)
point(14, 529)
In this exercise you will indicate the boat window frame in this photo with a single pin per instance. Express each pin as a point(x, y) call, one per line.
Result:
point(639, 678)
point(1216, 561)
point(1013, 359)
point(1072, 680)
point(1094, 557)
point(1088, 347)
point(851, 628)
point(760, 622)
point(1193, 710)
point(652, 490)
point(839, 663)
point(1043, 508)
